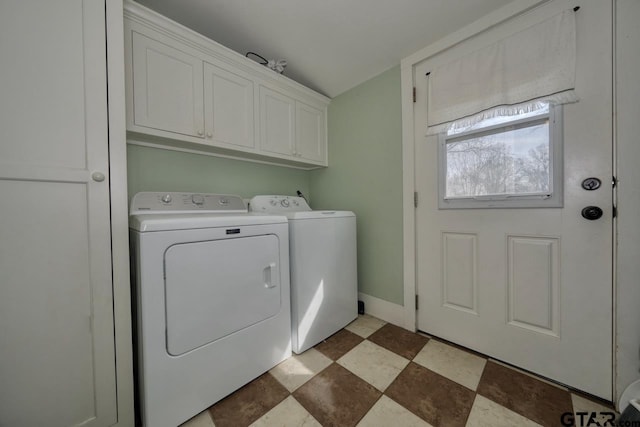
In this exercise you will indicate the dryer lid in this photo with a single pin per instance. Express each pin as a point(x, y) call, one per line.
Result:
point(166, 222)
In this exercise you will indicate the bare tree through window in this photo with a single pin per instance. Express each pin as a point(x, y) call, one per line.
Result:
point(515, 161)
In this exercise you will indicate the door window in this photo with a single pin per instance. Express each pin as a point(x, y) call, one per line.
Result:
point(504, 161)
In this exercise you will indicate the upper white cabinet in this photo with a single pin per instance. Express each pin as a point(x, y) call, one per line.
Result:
point(167, 88)
point(310, 132)
point(292, 128)
point(189, 93)
point(277, 126)
point(228, 108)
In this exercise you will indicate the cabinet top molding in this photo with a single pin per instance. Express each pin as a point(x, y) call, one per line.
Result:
point(147, 17)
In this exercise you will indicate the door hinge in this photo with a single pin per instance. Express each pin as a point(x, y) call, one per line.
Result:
point(416, 302)
point(415, 199)
point(414, 94)
point(614, 182)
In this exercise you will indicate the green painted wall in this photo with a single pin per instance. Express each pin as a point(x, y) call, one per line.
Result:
point(365, 176)
point(153, 169)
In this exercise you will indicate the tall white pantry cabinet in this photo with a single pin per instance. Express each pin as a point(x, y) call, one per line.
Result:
point(65, 326)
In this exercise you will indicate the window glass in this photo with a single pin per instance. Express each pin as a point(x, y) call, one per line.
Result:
point(504, 161)
point(511, 161)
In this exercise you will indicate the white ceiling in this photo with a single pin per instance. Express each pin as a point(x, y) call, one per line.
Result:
point(330, 45)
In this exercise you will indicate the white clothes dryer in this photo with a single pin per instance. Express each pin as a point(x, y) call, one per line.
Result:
point(211, 296)
point(323, 263)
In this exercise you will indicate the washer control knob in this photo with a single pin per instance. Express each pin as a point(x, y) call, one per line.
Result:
point(166, 198)
point(284, 203)
point(197, 200)
point(272, 202)
point(295, 203)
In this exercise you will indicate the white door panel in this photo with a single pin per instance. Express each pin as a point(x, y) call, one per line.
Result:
point(532, 287)
point(228, 107)
point(167, 87)
point(310, 138)
point(219, 287)
point(56, 303)
point(277, 123)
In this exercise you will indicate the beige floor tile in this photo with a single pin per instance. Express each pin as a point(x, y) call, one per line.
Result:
point(203, 419)
point(365, 325)
point(455, 364)
point(374, 364)
point(387, 413)
point(300, 368)
point(486, 413)
point(603, 413)
point(289, 413)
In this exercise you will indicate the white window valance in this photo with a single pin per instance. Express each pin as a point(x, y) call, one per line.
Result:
point(537, 63)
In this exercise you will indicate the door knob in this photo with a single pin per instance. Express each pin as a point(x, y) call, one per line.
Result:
point(98, 176)
point(592, 213)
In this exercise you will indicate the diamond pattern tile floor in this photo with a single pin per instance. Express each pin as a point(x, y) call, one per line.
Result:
point(374, 374)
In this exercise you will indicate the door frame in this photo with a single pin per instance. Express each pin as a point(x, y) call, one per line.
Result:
point(408, 64)
point(119, 203)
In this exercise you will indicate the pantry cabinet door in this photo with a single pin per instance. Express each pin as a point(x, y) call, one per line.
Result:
point(167, 88)
point(57, 348)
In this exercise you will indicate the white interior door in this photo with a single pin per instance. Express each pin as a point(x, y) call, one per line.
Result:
point(57, 361)
point(530, 286)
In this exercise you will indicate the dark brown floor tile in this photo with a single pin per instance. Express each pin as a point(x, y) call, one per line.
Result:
point(338, 344)
point(434, 398)
point(336, 397)
point(532, 398)
point(460, 347)
point(249, 403)
point(400, 341)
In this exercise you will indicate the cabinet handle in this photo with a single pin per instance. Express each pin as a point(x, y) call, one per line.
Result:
point(200, 133)
point(209, 135)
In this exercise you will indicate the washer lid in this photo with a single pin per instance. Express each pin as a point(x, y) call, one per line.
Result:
point(318, 215)
point(292, 207)
point(166, 222)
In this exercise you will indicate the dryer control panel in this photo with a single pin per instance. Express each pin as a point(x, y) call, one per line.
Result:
point(156, 202)
point(277, 204)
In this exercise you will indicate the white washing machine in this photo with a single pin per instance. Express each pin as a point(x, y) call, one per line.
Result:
point(212, 300)
point(324, 281)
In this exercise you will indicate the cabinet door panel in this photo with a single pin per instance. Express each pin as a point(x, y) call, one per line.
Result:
point(228, 108)
point(57, 349)
point(167, 88)
point(310, 132)
point(276, 122)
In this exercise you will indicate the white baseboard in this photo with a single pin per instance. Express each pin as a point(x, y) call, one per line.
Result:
point(383, 310)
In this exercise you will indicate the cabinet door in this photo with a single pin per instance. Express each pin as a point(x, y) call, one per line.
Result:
point(276, 122)
point(57, 359)
point(167, 88)
point(311, 143)
point(228, 108)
